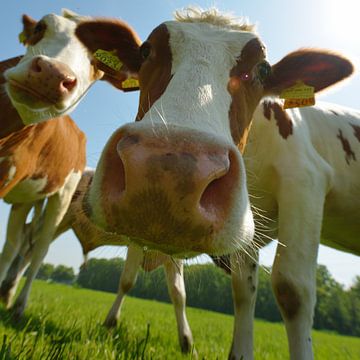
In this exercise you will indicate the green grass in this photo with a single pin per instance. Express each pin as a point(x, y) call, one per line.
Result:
point(62, 322)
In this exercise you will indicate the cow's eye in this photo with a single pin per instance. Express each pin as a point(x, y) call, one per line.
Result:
point(145, 50)
point(264, 71)
point(39, 27)
point(245, 76)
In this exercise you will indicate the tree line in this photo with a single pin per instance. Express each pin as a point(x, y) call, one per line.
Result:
point(208, 287)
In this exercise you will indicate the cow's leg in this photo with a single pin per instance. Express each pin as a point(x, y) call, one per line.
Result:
point(11, 282)
point(174, 271)
point(294, 270)
point(133, 262)
point(54, 211)
point(14, 236)
point(244, 277)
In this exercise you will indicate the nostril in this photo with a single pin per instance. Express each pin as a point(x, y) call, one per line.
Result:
point(36, 65)
point(214, 201)
point(68, 84)
point(117, 172)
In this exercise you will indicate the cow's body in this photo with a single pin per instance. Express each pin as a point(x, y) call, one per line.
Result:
point(324, 142)
point(90, 238)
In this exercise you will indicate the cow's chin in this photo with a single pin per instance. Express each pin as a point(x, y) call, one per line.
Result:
point(33, 110)
point(150, 229)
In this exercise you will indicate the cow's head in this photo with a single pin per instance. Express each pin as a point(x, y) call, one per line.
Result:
point(55, 72)
point(174, 180)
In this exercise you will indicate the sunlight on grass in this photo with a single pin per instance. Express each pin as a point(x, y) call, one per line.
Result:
point(66, 323)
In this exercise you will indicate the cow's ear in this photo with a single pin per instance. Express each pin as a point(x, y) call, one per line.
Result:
point(115, 48)
point(29, 25)
point(122, 79)
point(317, 68)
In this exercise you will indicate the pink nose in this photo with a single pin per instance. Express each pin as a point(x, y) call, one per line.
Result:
point(159, 188)
point(52, 79)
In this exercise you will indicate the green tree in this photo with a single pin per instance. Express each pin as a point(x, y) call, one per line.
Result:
point(45, 271)
point(63, 274)
point(266, 306)
point(332, 307)
point(354, 303)
point(101, 274)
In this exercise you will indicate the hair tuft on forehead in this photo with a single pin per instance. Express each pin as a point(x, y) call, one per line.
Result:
point(213, 16)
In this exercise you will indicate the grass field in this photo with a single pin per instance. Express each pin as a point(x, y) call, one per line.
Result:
point(62, 322)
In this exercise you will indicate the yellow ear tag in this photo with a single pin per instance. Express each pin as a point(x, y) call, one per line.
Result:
point(109, 59)
point(130, 83)
point(299, 95)
point(22, 38)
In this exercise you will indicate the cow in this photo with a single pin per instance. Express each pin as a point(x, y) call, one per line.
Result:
point(90, 238)
point(41, 159)
point(175, 179)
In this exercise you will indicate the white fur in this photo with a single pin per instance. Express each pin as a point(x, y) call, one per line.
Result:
point(11, 174)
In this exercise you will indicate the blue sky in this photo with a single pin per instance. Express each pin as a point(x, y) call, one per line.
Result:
point(283, 25)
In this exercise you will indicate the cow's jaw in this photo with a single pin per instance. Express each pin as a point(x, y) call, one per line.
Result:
point(60, 46)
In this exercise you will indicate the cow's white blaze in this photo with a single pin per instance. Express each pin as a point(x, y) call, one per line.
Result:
point(196, 97)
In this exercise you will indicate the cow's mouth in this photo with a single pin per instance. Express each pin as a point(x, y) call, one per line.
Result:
point(26, 95)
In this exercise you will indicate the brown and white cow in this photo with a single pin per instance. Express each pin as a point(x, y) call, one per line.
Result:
point(43, 160)
point(92, 237)
point(175, 180)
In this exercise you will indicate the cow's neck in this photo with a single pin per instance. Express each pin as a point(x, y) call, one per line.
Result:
point(10, 120)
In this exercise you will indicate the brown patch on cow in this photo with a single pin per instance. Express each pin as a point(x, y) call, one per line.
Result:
point(5, 166)
point(33, 31)
point(155, 72)
point(110, 35)
point(356, 131)
point(283, 120)
point(153, 259)
point(245, 92)
point(288, 299)
point(349, 154)
point(55, 150)
point(10, 120)
point(317, 68)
